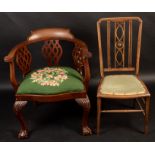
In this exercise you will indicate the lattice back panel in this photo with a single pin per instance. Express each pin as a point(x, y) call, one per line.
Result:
point(118, 40)
point(78, 58)
point(23, 59)
point(52, 51)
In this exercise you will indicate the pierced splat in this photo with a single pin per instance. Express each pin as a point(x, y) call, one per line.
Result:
point(23, 60)
point(52, 51)
point(119, 47)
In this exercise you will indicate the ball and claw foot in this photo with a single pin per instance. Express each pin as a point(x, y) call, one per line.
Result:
point(85, 104)
point(23, 134)
point(86, 131)
point(18, 106)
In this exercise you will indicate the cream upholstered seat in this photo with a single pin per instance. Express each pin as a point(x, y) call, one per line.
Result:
point(121, 85)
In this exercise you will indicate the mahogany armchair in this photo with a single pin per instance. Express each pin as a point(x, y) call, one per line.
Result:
point(122, 45)
point(52, 83)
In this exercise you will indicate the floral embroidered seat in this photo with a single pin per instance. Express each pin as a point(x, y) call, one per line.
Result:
point(52, 80)
point(52, 83)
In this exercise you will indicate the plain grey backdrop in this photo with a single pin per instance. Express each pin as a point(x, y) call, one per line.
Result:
point(60, 122)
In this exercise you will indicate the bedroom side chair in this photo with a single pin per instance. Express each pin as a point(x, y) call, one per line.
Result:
point(119, 42)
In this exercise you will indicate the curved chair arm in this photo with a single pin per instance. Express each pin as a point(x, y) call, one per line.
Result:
point(80, 58)
point(16, 56)
point(9, 59)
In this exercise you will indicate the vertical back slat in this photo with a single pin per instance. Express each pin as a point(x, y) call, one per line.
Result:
point(108, 45)
point(123, 51)
point(130, 45)
point(114, 44)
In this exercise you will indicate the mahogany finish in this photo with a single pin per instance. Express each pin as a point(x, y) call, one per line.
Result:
point(121, 61)
point(52, 51)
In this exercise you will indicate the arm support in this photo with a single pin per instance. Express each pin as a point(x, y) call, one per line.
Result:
point(13, 79)
point(80, 58)
point(22, 58)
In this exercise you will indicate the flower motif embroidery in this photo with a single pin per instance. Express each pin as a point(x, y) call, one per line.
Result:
point(49, 76)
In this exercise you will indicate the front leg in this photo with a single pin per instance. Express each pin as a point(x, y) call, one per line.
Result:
point(85, 103)
point(18, 106)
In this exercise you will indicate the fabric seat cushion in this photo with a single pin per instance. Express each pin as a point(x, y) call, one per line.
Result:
point(121, 85)
point(51, 80)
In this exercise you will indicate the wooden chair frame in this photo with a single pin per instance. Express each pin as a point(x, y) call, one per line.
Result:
point(21, 56)
point(143, 100)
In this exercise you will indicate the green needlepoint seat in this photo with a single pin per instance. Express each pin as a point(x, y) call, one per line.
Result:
point(51, 80)
point(121, 85)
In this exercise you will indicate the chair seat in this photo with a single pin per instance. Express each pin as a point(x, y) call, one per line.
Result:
point(51, 80)
point(121, 85)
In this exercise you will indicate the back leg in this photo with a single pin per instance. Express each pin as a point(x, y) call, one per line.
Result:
point(146, 117)
point(98, 114)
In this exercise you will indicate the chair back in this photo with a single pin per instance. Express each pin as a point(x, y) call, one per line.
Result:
point(119, 39)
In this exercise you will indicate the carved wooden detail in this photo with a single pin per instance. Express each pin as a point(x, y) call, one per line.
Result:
point(23, 59)
point(119, 42)
point(78, 58)
point(85, 104)
point(52, 51)
point(18, 106)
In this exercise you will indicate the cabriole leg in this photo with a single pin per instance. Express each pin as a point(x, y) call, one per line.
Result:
point(85, 103)
point(18, 106)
